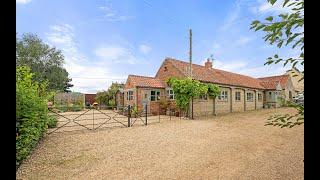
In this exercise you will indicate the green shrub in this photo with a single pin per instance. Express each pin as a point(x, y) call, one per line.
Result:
point(31, 112)
point(77, 107)
point(52, 121)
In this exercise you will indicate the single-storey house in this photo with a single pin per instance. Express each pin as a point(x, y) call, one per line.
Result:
point(297, 79)
point(277, 86)
point(238, 92)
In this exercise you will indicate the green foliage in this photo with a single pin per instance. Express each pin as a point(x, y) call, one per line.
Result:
point(186, 89)
point(31, 112)
point(112, 92)
point(135, 112)
point(285, 29)
point(102, 97)
point(109, 97)
point(71, 101)
point(288, 120)
point(52, 121)
point(213, 90)
point(45, 62)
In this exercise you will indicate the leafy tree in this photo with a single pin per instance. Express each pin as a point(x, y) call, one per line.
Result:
point(31, 112)
point(102, 97)
point(45, 62)
point(112, 92)
point(186, 89)
point(108, 97)
point(284, 30)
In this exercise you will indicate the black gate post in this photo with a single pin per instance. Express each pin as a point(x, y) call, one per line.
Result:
point(159, 112)
point(146, 114)
point(129, 116)
point(93, 119)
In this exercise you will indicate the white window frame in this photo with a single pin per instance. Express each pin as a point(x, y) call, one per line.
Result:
point(237, 92)
point(170, 94)
point(260, 99)
point(156, 95)
point(223, 96)
point(247, 97)
point(129, 95)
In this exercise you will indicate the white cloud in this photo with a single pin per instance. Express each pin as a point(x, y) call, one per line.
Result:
point(63, 37)
point(265, 7)
point(244, 68)
point(110, 14)
point(111, 52)
point(229, 66)
point(232, 17)
point(87, 76)
point(262, 71)
point(22, 1)
point(144, 49)
point(117, 54)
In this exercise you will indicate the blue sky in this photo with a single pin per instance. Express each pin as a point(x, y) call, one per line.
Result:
point(105, 40)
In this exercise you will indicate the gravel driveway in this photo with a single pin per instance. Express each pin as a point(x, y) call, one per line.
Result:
point(232, 146)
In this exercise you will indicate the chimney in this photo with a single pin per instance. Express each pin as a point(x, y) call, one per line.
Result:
point(208, 64)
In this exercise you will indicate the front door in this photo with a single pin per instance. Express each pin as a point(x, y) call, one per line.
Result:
point(146, 100)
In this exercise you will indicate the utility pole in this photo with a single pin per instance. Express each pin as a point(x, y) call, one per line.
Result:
point(190, 59)
point(190, 53)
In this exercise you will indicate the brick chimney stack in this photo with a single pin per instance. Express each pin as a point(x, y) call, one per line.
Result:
point(208, 64)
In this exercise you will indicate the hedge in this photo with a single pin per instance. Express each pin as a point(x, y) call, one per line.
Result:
point(31, 112)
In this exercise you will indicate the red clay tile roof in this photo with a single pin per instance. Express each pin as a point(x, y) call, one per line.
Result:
point(269, 85)
point(272, 81)
point(217, 76)
point(143, 81)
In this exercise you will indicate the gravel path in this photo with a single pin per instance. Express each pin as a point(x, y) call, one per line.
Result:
point(233, 146)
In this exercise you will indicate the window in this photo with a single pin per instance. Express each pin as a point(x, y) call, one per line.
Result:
point(223, 96)
point(155, 95)
point(238, 96)
point(249, 96)
point(170, 94)
point(270, 93)
point(129, 95)
point(203, 97)
point(259, 97)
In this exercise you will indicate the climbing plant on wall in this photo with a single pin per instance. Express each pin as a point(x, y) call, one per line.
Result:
point(186, 89)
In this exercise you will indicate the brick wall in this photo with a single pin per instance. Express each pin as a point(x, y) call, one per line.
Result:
point(166, 71)
point(250, 105)
point(222, 106)
point(237, 106)
point(260, 103)
point(153, 105)
point(129, 86)
point(203, 107)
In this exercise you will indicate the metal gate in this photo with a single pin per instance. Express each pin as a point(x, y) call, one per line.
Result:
point(98, 118)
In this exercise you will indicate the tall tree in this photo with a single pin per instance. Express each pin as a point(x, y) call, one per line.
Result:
point(45, 62)
point(284, 30)
point(112, 92)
